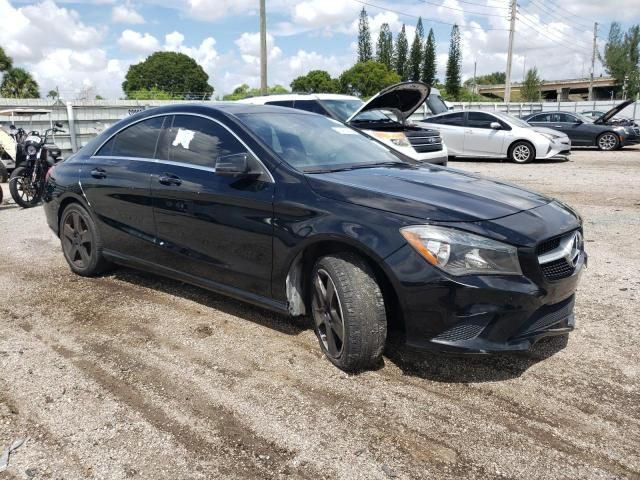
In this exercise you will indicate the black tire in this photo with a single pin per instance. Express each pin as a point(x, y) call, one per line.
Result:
point(522, 152)
point(608, 141)
point(81, 242)
point(4, 174)
point(358, 300)
point(21, 190)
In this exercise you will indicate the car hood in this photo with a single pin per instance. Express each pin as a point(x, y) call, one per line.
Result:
point(402, 99)
point(549, 131)
point(612, 113)
point(426, 192)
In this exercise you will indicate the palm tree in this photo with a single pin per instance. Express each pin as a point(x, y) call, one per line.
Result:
point(18, 83)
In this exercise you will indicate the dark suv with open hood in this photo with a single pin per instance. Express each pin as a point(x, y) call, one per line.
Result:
point(303, 215)
point(383, 117)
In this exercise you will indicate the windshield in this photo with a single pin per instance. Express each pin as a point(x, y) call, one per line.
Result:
point(436, 105)
point(312, 143)
point(510, 118)
point(343, 109)
point(584, 118)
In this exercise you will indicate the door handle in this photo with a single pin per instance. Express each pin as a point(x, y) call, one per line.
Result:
point(469, 131)
point(168, 179)
point(557, 126)
point(98, 173)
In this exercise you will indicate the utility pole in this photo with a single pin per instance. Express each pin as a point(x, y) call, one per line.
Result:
point(512, 32)
point(593, 59)
point(263, 48)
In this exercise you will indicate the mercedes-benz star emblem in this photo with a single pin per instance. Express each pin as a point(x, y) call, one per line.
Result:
point(576, 247)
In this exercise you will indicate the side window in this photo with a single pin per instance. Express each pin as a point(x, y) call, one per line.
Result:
point(200, 141)
point(480, 120)
point(139, 140)
point(566, 118)
point(543, 117)
point(310, 106)
point(281, 103)
point(454, 119)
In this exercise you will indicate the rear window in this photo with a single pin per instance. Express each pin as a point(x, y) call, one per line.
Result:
point(137, 141)
point(310, 106)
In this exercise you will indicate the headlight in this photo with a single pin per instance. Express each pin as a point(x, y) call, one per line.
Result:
point(462, 253)
point(548, 136)
point(31, 150)
point(396, 138)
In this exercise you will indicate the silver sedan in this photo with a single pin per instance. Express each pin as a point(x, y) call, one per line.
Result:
point(477, 133)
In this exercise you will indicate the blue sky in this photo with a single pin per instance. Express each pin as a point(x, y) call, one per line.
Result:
point(82, 46)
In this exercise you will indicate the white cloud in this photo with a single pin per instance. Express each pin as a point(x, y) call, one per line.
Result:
point(126, 14)
point(211, 10)
point(137, 42)
point(205, 53)
point(249, 47)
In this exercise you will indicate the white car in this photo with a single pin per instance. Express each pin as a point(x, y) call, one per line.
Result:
point(384, 117)
point(478, 133)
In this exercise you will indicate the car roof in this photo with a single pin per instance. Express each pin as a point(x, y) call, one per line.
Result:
point(296, 96)
point(231, 108)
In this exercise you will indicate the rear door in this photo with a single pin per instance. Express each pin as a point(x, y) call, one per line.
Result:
point(213, 227)
point(480, 139)
point(451, 127)
point(117, 184)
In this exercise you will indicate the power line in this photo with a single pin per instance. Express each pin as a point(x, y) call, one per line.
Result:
point(570, 13)
point(484, 5)
point(556, 15)
point(462, 27)
point(536, 29)
point(501, 15)
point(556, 31)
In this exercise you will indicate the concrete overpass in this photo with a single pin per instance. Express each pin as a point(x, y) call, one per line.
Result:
point(559, 90)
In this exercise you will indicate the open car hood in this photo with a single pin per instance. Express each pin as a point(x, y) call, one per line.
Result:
point(402, 99)
point(8, 144)
point(603, 119)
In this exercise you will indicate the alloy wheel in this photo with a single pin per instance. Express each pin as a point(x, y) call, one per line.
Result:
point(608, 141)
point(76, 240)
point(521, 153)
point(327, 313)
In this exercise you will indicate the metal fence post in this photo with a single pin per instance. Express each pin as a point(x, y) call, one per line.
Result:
point(72, 128)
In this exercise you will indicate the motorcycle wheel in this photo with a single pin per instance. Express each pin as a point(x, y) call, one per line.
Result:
point(21, 189)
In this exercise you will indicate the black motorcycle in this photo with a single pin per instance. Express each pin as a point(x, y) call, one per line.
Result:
point(28, 179)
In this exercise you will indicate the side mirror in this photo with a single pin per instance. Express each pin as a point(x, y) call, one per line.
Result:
point(233, 165)
point(578, 121)
point(495, 126)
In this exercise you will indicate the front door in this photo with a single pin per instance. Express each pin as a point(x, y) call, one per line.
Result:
point(214, 227)
point(117, 185)
point(480, 139)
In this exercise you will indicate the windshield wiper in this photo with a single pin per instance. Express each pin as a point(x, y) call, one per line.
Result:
point(358, 167)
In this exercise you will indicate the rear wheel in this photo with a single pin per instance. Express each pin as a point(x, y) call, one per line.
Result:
point(348, 312)
point(22, 189)
point(522, 152)
point(608, 141)
point(81, 243)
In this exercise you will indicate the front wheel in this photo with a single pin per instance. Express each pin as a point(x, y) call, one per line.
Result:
point(348, 312)
point(608, 141)
point(521, 152)
point(22, 189)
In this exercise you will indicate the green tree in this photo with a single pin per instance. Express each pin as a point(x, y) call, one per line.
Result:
point(367, 78)
point(384, 50)
point(454, 64)
point(401, 51)
point(152, 94)
point(495, 78)
point(174, 73)
point(52, 94)
point(364, 38)
point(244, 91)
point(415, 54)
point(6, 62)
point(621, 57)
point(18, 83)
point(316, 81)
point(429, 66)
point(530, 90)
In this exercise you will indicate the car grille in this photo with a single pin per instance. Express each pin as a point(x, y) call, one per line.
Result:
point(465, 330)
point(557, 269)
point(424, 141)
point(550, 315)
point(556, 265)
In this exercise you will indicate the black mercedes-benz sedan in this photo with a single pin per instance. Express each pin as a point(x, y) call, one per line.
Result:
point(303, 215)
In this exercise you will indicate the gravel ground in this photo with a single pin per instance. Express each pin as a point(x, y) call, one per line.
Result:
point(133, 376)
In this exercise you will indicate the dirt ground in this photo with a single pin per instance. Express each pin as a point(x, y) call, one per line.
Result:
point(134, 376)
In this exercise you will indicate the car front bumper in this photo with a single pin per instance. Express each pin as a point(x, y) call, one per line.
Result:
point(560, 148)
